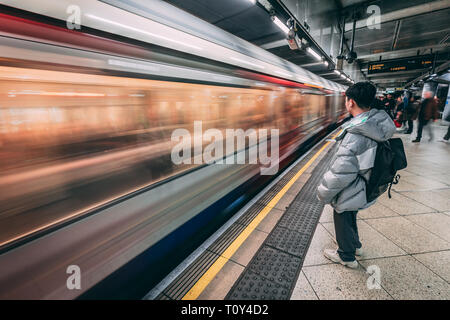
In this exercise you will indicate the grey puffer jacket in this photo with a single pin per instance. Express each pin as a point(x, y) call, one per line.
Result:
point(343, 185)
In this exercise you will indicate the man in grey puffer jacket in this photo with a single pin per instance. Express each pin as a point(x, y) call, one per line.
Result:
point(343, 185)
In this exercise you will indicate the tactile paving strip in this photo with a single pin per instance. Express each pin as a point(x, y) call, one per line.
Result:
point(289, 241)
point(306, 218)
point(275, 266)
point(265, 289)
point(256, 287)
point(280, 258)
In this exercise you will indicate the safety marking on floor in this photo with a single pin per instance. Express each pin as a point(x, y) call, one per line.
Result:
point(212, 271)
point(181, 279)
point(274, 269)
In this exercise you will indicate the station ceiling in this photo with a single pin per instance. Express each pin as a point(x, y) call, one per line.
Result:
point(408, 28)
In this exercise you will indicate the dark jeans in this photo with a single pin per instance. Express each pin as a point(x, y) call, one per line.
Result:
point(447, 136)
point(422, 123)
point(347, 236)
point(410, 126)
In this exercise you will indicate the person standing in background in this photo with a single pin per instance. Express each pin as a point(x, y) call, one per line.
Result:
point(399, 114)
point(381, 102)
point(398, 106)
point(446, 117)
point(406, 98)
point(411, 113)
point(389, 105)
point(428, 111)
point(447, 136)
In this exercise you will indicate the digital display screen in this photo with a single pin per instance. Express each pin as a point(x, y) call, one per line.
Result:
point(400, 65)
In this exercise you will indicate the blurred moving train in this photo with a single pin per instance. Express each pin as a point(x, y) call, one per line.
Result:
point(86, 118)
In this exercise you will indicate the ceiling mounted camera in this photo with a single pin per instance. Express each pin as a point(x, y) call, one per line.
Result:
point(351, 57)
point(294, 41)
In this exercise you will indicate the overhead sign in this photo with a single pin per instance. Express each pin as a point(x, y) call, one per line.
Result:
point(392, 90)
point(399, 65)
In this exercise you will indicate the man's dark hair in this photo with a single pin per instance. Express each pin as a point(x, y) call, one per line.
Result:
point(363, 93)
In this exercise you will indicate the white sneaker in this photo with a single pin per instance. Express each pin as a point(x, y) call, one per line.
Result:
point(359, 252)
point(334, 256)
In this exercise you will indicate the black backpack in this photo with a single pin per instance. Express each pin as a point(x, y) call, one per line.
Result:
point(390, 158)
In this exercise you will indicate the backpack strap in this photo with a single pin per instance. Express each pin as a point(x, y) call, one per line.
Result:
point(352, 123)
point(395, 181)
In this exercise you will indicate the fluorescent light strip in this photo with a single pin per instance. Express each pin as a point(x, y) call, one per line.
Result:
point(283, 74)
point(143, 32)
point(246, 62)
point(314, 54)
point(281, 25)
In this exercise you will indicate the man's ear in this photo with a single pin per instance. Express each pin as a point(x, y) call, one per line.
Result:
point(352, 103)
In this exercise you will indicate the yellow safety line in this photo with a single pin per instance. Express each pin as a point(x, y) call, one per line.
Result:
point(209, 275)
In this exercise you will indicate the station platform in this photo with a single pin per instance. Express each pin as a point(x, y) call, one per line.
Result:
point(273, 247)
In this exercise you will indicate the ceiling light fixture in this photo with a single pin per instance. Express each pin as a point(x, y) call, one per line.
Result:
point(247, 62)
point(314, 54)
point(280, 25)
